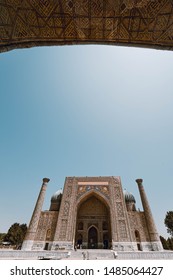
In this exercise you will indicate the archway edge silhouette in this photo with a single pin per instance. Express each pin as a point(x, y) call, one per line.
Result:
point(137, 23)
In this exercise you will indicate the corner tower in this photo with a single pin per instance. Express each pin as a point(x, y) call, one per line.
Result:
point(32, 229)
point(153, 234)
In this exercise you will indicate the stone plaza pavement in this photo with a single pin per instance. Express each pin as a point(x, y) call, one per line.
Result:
point(84, 255)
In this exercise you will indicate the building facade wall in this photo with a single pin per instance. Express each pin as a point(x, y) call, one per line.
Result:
point(93, 214)
point(138, 223)
point(45, 230)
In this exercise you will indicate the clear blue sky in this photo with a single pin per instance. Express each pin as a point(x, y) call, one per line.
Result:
point(85, 111)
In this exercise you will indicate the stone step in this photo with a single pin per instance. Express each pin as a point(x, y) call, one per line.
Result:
point(85, 254)
point(92, 255)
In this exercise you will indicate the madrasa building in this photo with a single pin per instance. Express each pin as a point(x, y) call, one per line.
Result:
point(92, 213)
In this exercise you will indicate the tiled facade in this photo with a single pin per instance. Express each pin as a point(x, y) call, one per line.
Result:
point(93, 213)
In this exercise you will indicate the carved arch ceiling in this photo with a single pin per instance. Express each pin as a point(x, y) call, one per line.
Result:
point(29, 23)
point(93, 193)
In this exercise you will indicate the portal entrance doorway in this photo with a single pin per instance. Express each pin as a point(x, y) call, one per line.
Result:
point(93, 226)
point(92, 238)
point(46, 247)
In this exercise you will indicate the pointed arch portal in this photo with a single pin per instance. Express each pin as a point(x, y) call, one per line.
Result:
point(140, 23)
point(93, 214)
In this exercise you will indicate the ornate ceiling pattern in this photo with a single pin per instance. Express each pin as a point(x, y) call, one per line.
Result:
point(29, 23)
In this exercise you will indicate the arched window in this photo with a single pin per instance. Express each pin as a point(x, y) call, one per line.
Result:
point(137, 235)
point(48, 234)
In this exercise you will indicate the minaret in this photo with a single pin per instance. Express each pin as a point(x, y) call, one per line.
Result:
point(30, 235)
point(153, 234)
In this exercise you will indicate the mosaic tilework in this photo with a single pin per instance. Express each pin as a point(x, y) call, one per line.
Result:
point(28, 23)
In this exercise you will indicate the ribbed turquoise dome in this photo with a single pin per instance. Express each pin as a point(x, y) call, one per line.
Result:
point(56, 201)
point(56, 196)
point(128, 197)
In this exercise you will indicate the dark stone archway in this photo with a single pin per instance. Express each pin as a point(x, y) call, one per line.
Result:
point(92, 238)
point(140, 23)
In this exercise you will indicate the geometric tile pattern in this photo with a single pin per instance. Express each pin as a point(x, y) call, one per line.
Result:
point(29, 23)
point(96, 188)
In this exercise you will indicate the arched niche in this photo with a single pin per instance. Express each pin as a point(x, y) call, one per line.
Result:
point(93, 212)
